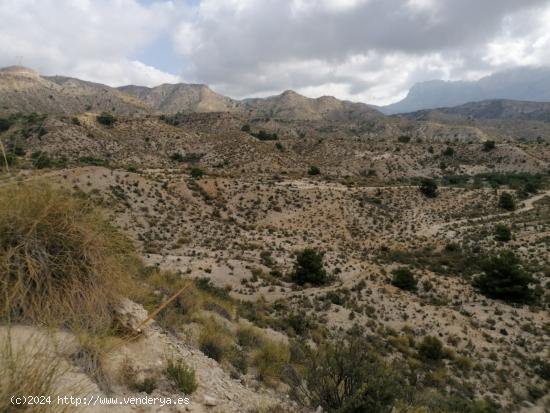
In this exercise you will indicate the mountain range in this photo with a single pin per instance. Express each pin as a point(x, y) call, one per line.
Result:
point(523, 83)
point(520, 93)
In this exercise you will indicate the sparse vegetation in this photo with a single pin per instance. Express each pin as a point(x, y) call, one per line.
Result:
point(181, 375)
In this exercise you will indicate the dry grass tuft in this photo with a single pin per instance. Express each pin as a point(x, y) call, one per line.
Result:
point(30, 370)
point(61, 262)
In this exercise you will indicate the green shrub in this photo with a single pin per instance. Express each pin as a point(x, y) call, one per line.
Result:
point(431, 348)
point(404, 139)
point(503, 233)
point(506, 201)
point(5, 124)
point(504, 278)
point(309, 268)
point(181, 375)
point(314, 170)
point(106, 118)
point(345, 376)
point(448, 151)
point(404, 279)
point(246, 128)
point(90, 160)
point(265, 136)
point(428, 187)
point(41, 160)
point(488, 146)
point(271, 360)
point(196, 173)
point(177, 157)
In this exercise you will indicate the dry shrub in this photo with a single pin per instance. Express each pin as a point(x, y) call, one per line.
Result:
point(30, 370)
point(61, 262)
point(270, 360)
point(159, 286)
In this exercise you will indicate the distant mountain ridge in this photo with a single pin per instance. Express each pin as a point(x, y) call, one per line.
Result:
point(23, 89)
point(488, 109)
point(523, 83)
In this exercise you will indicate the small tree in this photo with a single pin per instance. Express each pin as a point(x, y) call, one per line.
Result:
point(504, 278)
point(428, 187)
point(404, 279)
point(346, 376)
point(431, 348)
point(196, 173)
point(503, 233)
point(314, 170)
point(309, 268)
point(488, 146)
point(106, 118)
point(448, 151)
point(506, 201)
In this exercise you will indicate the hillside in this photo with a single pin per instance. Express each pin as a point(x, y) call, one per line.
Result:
point(181, 97)
point(23, 90)
point(292, 106)
point(254, 255)
point(490, 109)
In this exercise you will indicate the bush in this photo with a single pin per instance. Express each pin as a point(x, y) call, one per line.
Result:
point(345, 377)
point(196, 173)
point(314, 170)
point(41, 160)
point(309, 268)
point(265, 136)
point(246, 128)
point(5, 124)
point(488, 146)
point(503, 233)
point(271, 360)
point(431, 348)
point(506, 201)
point(504, 278)
point(214, 341)
point(428, 187)
point(106, 118)
point(448, 151)
point(404, 279)
point(181, 375)
point(61, 262)
point(177, 157)
point(404, 139)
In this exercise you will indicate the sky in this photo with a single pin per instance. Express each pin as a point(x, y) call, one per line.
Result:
point(370, 51)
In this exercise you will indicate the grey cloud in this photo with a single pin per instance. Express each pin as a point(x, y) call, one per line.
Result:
point(240, 44)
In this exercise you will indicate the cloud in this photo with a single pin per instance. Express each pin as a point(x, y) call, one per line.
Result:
point(364, 49)
point(361, 50)
point(91, 39)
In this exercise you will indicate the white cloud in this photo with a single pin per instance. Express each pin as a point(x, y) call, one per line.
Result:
point(369, 50)
point(363, 50)
point(83, 38)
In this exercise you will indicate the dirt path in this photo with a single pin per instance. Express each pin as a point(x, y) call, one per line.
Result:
point(528, 205)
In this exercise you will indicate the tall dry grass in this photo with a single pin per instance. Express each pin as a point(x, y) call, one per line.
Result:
point(61, 262)
point(27, 370)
